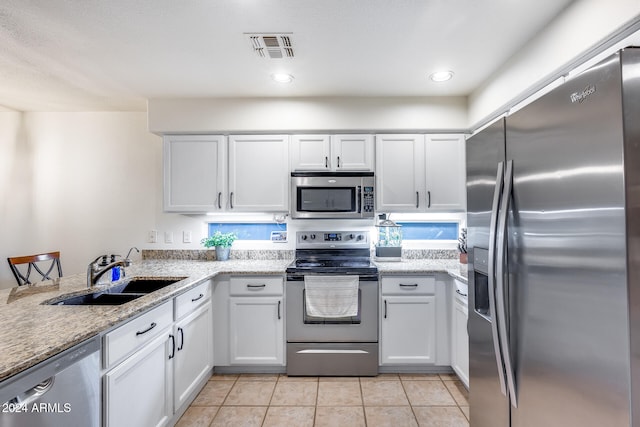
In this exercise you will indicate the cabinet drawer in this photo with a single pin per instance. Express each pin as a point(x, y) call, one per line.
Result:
point(193, 298)
point(126, 339)
point(461, 291)
point(256, 286)
point(409, 285)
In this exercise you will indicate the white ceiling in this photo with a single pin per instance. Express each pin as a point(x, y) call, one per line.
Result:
point(78, 55)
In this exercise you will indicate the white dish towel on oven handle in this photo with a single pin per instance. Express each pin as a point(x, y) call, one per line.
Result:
point(331, 296)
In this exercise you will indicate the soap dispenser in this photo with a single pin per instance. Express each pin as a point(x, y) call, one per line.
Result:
point(115, 271)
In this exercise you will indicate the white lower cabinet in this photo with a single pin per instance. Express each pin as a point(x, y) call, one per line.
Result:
point(414, 328)
point(408, 330)
point(138, 390)
point(256, 331)
point(154, 364)
point(460, 339)
point(256, 321)
point(194, 350)
point(138, 387)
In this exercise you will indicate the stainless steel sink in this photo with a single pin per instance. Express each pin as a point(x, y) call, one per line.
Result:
point(98, 298)
point(119, 294)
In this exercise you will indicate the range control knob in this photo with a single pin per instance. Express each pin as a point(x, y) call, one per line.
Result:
point(360, 237)
point(303, 237)
point(351, 236)
point(313, 236)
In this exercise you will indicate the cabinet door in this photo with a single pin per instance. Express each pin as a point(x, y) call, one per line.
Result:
point(138, 391)
point(194, 172)
point(256, 331)
point(352, 152)
point(310, 152)
point(400, 173)
point(460, 343)
point(259, 173)
point(408, 330)
point(445, 173)
point(194, 352)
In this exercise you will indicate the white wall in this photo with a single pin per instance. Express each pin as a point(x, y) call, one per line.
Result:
point(193, 115)
point(581, 29)
point(81, 183)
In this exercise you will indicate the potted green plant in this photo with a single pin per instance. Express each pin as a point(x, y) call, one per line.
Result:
point(221, 242)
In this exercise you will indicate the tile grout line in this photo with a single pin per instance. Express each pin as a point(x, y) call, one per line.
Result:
point(278, 380)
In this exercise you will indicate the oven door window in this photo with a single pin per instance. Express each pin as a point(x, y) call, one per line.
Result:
point(326, 199)
point(311, 320)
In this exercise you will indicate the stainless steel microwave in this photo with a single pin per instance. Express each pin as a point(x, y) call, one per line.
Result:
point(332, 195)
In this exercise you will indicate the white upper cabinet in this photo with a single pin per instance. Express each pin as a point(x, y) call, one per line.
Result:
point(332, 153)
point(258, 173)
point(352, 152)
point(400, 173)
point(310, 152)
point(420, 173)
point(445, 172)
point(207, 173)
point(194, 172)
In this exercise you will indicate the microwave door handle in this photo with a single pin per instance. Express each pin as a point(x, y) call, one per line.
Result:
point(359, 201)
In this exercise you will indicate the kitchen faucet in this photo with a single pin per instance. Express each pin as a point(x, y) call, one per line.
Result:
point(95, 270)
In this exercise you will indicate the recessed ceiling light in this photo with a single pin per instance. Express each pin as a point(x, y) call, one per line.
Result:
point(441, 76)
point(282, 77)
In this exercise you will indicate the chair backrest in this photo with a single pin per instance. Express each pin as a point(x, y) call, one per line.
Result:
point(42, 264)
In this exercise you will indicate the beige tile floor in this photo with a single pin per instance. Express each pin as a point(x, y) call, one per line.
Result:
point(425, 400)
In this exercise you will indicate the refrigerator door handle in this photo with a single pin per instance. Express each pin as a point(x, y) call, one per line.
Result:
point(492, 274)
point(501, 255)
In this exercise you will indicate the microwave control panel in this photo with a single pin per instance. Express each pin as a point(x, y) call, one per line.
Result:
point(368, 200)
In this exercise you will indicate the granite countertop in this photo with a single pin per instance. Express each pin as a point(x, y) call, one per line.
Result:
point(421, 266)
point(33, 332)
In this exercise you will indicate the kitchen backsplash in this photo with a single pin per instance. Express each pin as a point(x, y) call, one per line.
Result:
point(210, 255)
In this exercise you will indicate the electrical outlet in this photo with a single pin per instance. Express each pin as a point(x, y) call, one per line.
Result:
point(186, 237)
point(153, 236)
point(168, 236)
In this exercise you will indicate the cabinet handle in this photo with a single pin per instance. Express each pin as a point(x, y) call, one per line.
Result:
point(417, 200)
point(250, 286)
point(338, 161)
point(413, 285)
point(326, 162)
point(279, 303)
point(429, 198)
point(153, 325)
point(231, 200)
point(385, 309)
point(196, 299)
point(181, 339)
point(220, 200)
point(173, 347)
point(460, 293)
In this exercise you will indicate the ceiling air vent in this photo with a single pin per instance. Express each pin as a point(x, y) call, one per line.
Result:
point(271, 46)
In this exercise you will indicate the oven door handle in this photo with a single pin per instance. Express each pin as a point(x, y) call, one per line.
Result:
point(322, 351)
point(250, 286)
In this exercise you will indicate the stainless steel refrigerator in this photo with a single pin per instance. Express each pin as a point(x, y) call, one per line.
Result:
point(553, 199)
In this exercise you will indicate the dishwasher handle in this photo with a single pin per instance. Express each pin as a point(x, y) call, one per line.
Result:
point(28, 397)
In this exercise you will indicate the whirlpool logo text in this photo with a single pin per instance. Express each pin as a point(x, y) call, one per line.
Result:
point(582, 95)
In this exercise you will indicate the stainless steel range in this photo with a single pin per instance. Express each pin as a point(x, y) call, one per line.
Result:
point(332, 305)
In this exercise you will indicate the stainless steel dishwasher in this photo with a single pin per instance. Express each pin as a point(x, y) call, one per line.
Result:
point(64, 390)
